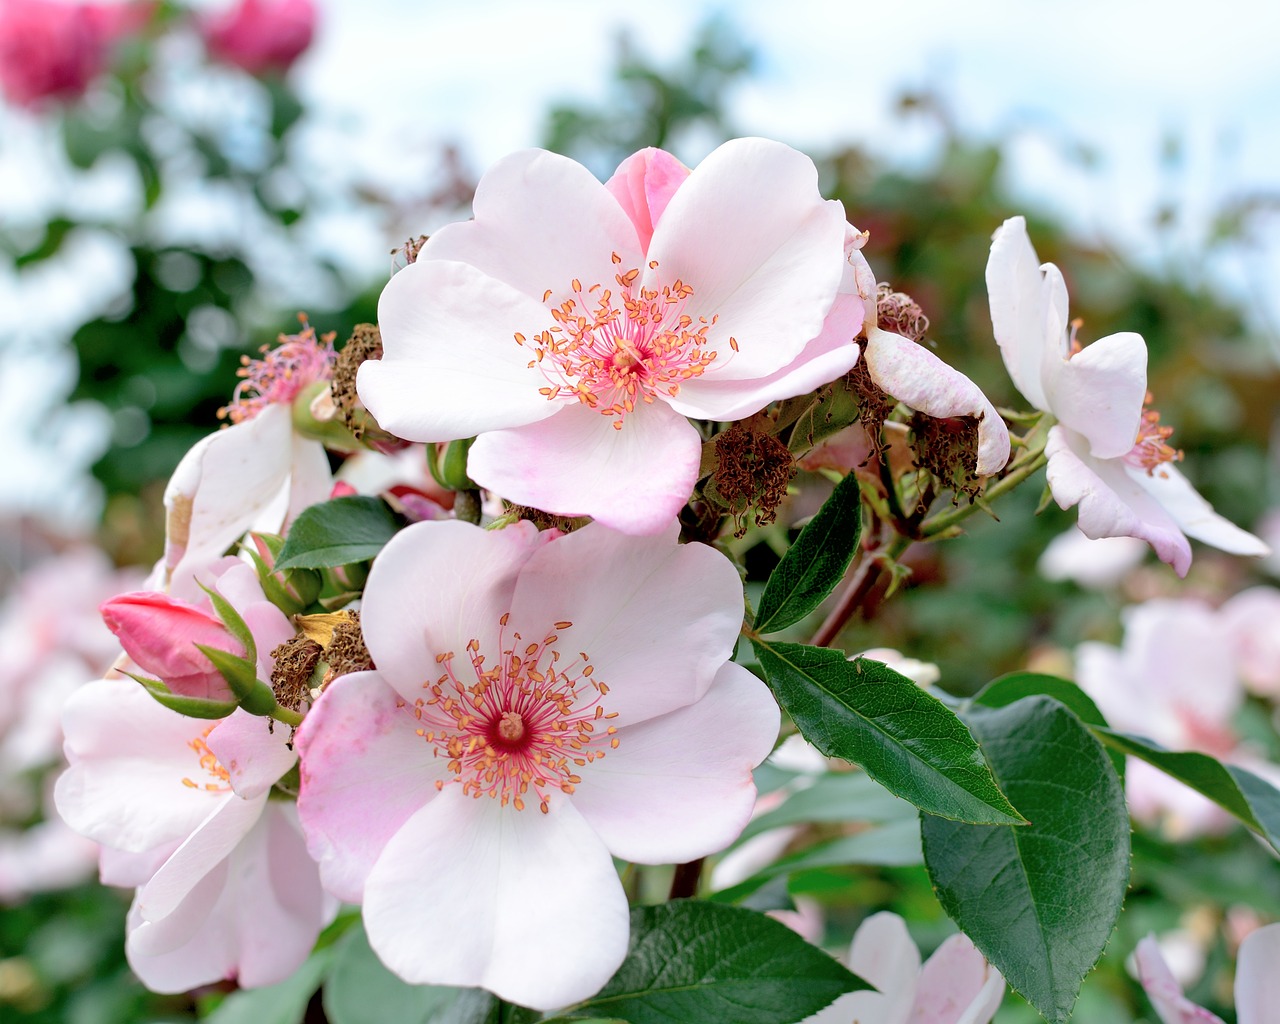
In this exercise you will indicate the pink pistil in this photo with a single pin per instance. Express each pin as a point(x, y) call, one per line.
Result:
point(298, 361)
point(525, 721)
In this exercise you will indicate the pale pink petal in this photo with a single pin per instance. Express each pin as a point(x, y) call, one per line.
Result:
point(185, 949)
point(130, 870)
point(451, 366)
point(434, 587)
point(826, 358)
point(957, 986)
point(544, 913)
point(1257, 981)
point(1195, 516)
point(643, 184)
point(310, 480)
point(657, 619)
point(254, 751)
point(364, 772)
point(1097, 564)
point(884, 955)
point(679, 786)
point(129, 757)
point(763, 251)
point(635, 479)
point(1016, 289)
point(1250, 619)
point(207, 846)
point(1112, 504)
point(753, 855)
point(1164, 991)
point(1099, 391)
point(915, 376)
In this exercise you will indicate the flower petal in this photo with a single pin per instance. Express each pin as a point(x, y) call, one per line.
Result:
point(1195, 516)
point(434, 587)
point(679, 786)
point(365, 771)
point(957, 986)
point(762, 250)
point(1016, 289)
point(576, 463)
point(254, 753)
point(1112, 502)
point(541, 220)
point(658, 619)
point(643, 185)
point(1099, 391)
point(914, 375)
point(883, 954)
point(1257, 984)
point(451, 366)
point(526, 905)
point(1164, 991)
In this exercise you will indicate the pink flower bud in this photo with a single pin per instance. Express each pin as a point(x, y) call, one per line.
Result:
point(261, 35)
point(161, 633)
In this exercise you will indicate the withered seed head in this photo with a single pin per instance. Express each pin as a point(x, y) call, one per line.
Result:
point(347, 652)
point(752, 469)
point(546, 520)
point(900, 313)
point(948, 448)
point(874, 406)
point(365, 343)
point(295, 662)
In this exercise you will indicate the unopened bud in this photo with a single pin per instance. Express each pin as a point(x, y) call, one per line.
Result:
point(293, 591)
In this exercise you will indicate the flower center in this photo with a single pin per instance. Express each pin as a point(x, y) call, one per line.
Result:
point(1151, 449)
point(610, 350)
point(298, 361)
point(524, 723)
point(210, 765)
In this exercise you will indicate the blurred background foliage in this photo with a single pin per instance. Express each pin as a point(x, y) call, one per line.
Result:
point(161, 361)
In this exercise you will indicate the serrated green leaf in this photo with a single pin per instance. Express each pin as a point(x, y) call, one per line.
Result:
point(1039, 901)
point(284, 1003)
point(192, 707)
point(1013, 687)
point(893, 845)
point(360, 990)
point(904, 738)
point(337, 532)
point(1249, 798)
point(691, 962)
point(815, 563)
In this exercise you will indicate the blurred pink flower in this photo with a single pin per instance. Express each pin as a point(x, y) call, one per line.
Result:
point(955, 986)
point(53, 50)
point(574, 325)
point(1257, 987)
point(261, 35)
point(1252, 619)
point(1107, 452)
point(541, 705)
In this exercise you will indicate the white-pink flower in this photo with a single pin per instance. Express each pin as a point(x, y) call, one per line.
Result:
point(541, 704)
point(1107, 453)
point(955, 986)
point(1257, 987)
point(574, 325)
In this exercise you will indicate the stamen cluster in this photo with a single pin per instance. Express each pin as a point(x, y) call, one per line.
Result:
point(1152, 449)
point(298, 360)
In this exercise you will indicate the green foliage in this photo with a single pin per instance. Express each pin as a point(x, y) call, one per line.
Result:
point(284, 1003)
point(1040, 900)
point(904, 738)
point(815, 563)
point(691, 962)
point(338, 532)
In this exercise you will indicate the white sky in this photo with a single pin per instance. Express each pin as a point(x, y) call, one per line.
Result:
point(390, 76)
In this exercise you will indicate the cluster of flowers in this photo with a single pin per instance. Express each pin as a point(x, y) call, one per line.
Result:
point(53, 50)
point(506, 710)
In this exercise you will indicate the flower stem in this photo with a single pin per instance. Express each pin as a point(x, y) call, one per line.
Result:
point(858, 589)
point(466, 506)
point(684, 884)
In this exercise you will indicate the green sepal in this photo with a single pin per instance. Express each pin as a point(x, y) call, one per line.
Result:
point(449, 469)
point(192, 707)
point(306, 584)
point(241, 675)
point(235, 626)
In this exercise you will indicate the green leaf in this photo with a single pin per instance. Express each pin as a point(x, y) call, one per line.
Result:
point(894, 845)
point(1251, 799)
point(192, 707)
point(337, 532)
point(284, 1003)
point(904, 738)
point(359, 990)
point(691, 962)
point(835, 797)
point(815, 563)
point(1039, 901)
point(1013, 687)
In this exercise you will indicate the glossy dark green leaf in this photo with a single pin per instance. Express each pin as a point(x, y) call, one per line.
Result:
point(359, 990)
point(1236, 790)
point(1039, 900)
point(284, 1003)
point(692, 962)
point(1013, 687)
point(815, 563)
point(337, 532)
point(904, 738)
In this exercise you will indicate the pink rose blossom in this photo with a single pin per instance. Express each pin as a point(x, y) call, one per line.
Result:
point(1252, 620)
point(1257, 987)
point(573, 325)
point(540, 706)
point(955, 986)
point(1107, 452)
point(261, 35)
